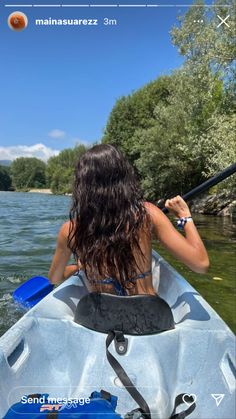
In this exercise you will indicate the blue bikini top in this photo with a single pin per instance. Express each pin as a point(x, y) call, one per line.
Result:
point(117, 286)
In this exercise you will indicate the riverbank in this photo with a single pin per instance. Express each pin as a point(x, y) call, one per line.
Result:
point(48, 191)
point(222, 204)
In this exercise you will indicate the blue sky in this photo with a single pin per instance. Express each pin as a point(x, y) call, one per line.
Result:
point(59, 83)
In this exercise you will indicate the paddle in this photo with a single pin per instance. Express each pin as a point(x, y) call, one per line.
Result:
point(36, 288)
point(32, 291)
point(208, 184)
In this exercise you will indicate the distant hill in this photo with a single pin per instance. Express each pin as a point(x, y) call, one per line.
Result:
point(5, 162)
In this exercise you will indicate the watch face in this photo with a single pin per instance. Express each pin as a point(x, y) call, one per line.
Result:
point(181, 222)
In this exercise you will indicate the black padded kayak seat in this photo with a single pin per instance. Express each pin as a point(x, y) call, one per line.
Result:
point(133, 315)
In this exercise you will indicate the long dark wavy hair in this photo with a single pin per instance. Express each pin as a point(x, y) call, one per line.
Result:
point(107, 214)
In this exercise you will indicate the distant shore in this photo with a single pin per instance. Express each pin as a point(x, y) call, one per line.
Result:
point(47, 191)
point(41, 191)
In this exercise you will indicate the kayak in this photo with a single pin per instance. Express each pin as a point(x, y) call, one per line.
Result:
point(59, 348)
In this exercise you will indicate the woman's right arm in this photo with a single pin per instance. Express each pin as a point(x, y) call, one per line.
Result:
point(189, 249)
point(59, 270)
point(61, 256)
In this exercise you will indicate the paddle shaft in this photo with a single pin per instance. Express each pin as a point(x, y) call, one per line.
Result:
point(208, 184)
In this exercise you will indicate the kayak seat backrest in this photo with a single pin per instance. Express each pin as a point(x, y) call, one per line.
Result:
point(133, 315)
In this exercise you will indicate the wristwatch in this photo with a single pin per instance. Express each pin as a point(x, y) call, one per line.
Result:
point(182, 221)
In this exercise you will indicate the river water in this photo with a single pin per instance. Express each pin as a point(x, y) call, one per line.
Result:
point(29, 223)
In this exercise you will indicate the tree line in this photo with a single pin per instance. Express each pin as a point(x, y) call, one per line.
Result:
point(29, 172)
point(176, 130)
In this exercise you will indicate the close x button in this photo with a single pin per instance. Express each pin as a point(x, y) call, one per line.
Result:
point(223, 21)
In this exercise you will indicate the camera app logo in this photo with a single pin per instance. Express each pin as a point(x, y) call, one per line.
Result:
point(17, 21)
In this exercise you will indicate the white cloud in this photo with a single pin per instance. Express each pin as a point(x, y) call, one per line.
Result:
point(37, 150)
point(56, 133)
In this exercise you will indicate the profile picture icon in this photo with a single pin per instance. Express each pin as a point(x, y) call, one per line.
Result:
point(17, 21)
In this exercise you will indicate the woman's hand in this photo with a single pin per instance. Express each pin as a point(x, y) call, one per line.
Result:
point(71, 270)
point(178, 206)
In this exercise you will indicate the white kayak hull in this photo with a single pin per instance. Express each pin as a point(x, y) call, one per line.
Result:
point(47, 352)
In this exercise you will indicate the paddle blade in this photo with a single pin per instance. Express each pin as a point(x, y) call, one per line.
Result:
point(32, 291)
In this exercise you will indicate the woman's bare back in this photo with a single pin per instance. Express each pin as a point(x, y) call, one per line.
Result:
point(142, 285)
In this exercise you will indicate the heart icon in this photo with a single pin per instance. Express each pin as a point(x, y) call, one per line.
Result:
point(189, 399)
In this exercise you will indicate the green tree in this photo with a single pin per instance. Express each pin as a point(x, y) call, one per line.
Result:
point(134, 112)
point(164, 128)
point(161, 149)
point(218, 147)
point(28, 172)
point(60, 169)
point(5, 178)
point(208, 43)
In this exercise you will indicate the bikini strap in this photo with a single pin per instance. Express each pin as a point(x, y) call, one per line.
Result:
point(141, 276)
point(117, 286)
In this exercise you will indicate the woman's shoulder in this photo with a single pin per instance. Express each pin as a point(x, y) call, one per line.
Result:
point(152, 210)
point(66, 228)
point(157, 218)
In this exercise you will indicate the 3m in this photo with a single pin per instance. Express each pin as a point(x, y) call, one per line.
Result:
point(109, 22)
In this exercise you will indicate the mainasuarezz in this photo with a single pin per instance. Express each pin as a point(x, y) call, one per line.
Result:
point(64, 22)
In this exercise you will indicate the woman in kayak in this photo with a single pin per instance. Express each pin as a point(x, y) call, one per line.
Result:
point(110, 228)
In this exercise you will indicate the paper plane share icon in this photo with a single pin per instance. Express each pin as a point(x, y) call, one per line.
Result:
point(218, 398)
